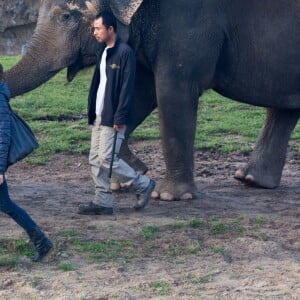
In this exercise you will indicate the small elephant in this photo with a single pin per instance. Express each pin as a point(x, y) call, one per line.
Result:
point(248, 51)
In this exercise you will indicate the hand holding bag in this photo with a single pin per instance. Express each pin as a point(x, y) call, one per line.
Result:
point(23, 140)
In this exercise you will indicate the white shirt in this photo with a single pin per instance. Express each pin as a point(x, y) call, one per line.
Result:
point(102, 85)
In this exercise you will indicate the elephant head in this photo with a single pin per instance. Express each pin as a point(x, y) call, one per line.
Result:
point(62, 39)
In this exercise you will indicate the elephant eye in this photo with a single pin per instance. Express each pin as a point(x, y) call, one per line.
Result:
point(73, 15)
point(66, 16)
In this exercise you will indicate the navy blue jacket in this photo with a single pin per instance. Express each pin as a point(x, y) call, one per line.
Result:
point(118, 105)
point(4, 126)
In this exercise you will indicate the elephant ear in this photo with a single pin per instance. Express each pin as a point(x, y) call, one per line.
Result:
point(125, 9)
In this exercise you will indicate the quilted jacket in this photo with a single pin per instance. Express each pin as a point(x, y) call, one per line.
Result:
point(4, 126)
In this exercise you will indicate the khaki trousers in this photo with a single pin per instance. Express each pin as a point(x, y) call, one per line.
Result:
point(99, 159)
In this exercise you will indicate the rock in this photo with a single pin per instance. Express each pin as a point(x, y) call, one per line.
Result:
point(17, 22)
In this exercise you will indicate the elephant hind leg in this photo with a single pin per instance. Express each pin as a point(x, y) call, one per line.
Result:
point(268, 157)
point(145, 103)
point(132, 159)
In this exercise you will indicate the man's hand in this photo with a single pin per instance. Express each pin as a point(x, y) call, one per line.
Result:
point(1, 178)
point(118, 127)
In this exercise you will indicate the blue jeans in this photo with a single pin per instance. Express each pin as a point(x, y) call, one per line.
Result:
point(13, 210)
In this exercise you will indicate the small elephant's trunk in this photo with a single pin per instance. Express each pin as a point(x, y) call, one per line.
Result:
point(22, 78)
point(32, 70)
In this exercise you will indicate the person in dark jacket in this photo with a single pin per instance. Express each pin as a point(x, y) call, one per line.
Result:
point(42, 244)
point(110, 109)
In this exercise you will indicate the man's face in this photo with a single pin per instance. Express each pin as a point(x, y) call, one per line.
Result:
point(101, 33)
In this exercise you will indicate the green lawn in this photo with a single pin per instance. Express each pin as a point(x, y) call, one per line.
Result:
point(56, 111)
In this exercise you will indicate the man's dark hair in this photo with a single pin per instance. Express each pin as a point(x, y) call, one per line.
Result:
point(108, 19)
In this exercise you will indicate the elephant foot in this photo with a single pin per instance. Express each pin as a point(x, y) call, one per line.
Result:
point(170, 191)
point(115, 186)
point(254, 176)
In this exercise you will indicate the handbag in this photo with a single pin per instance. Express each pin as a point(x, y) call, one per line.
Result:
point(23, 140)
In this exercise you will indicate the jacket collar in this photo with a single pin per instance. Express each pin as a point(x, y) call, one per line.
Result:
point(110, 51)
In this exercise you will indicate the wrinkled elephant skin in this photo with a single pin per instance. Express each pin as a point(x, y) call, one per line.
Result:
point(245, 50)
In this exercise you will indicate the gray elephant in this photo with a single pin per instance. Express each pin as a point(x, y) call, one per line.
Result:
point(245, 50)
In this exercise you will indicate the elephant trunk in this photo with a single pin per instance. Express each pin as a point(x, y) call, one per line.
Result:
point(33, 69)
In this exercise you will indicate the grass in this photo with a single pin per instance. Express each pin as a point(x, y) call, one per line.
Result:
point(259, 221)
point(110, 250)
point(176, 226)
point(8, 262)
point(217, 249)
point(160, 288)
point(22, 247)
point(218, 227)
point(66, 266)
point(150, 232)
point(203, 279)
point(56, 111)
point(18, 247)
point(174, 242)
point(197, 223)
point(11, 249)
point(35, 281)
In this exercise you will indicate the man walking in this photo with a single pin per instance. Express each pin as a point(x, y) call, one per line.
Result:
point(110, 109)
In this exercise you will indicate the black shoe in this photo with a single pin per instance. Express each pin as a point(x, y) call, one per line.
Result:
point(93, 209)
point(143, 199)
point(41, 243)
point(42, 250)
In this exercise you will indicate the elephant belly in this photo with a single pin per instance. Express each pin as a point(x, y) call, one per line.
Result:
point(260, 63)
point(257, 81)
point(265, 98)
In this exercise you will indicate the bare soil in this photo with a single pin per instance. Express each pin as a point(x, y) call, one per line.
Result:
point(256, 256)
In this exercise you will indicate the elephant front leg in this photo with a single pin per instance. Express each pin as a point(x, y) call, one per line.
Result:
point(177, 116)
point(268, 157)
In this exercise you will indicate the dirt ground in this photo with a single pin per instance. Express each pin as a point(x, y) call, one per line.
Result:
point(258, 258)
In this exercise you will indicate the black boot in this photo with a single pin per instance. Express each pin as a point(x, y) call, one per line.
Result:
point(41, 243)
